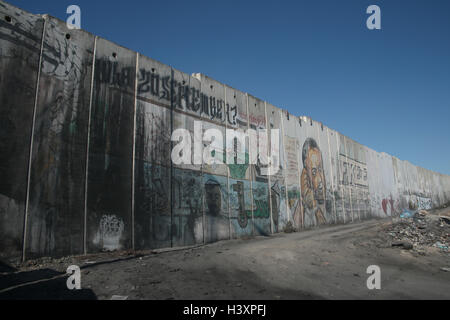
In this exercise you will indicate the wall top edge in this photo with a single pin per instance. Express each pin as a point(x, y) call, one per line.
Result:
point(199, 76)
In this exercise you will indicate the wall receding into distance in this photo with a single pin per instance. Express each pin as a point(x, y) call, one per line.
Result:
point(85, 154)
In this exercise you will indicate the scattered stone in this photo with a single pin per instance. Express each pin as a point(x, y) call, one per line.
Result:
point(289, 228)
point(116, 297)
point(445, 269)
point(445, 219)
point(405, 244)
point(419, 231)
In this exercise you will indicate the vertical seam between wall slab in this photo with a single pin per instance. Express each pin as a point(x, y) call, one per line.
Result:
point(349, 186)
point(134, 153)
point(88, 147)
point(338, 165)
point(202, 167)
point(171, 148)
point(288, 211)
point(250, 165)
point(226, 162)
point(269, 171)
point(378, 182)
point(30, 155)
point(332, 175)
point(299, 172)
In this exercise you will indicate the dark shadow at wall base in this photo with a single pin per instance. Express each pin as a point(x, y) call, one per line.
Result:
point(6, 268)
point(48, 290)
point(44, 284)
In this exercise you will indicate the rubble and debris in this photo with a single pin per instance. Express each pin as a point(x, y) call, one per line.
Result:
point(440, 246)
point(415, 230)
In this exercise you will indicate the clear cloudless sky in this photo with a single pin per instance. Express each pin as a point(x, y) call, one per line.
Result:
point(388, 89)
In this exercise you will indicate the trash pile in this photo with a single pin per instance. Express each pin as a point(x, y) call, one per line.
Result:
point(420, 229)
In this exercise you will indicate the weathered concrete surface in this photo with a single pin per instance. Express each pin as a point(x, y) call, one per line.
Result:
point(325, 263)
point(57, 176)
point(98, 176)
point(20, 45)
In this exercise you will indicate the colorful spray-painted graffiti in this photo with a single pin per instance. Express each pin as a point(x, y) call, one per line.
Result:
point(313, 182)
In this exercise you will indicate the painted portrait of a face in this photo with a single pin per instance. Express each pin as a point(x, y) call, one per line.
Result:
point(313, 182)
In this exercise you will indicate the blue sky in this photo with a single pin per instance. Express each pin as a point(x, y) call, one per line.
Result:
point(388, 89)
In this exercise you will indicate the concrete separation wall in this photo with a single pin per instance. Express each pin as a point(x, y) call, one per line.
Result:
point(85, 154)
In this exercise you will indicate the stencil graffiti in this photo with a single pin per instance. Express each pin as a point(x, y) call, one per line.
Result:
point(109, 233)
point(424, 203)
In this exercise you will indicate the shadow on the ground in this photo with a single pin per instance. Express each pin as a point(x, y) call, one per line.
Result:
point(6, 268)
point(39, 285)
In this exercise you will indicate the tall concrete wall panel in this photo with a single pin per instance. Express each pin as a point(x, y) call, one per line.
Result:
point(152, 170)
point(328, 170)
point(239, 171)
point(20, 46)
point(259, 182)
point(87, 150)
point(277, 181)
point(335, 181)
point(216, 224)
point(110, 164)
point(187, 178)
point(291, 155)
point(58, 161)
point(317, 174)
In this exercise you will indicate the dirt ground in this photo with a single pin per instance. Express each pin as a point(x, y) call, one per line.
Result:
point(324, 263)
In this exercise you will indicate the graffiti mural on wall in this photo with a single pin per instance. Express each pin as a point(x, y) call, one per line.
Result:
point(354, 173)
point(217, 224)
point(109, 233)
point(292, 185)
point(353, 179)
point(187, 221)
point(390, 207)
point(91, 121)
point(20, 42)
point(164, 87)
point(152, 206)
point(313, 182)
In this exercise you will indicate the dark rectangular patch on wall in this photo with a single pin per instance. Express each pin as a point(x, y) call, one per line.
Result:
point(20, 45)
point(58, 170)
point(111, 149)
point(216, 223)
point(152, 206)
